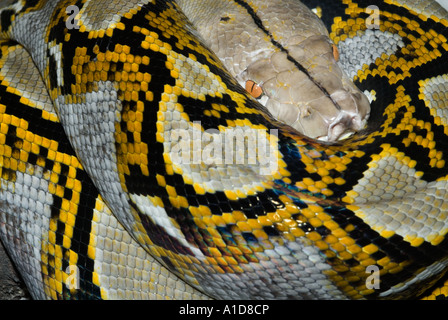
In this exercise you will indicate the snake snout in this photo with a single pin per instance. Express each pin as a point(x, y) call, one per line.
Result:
point(355, 110)
point(324, 119)
point(344, 124)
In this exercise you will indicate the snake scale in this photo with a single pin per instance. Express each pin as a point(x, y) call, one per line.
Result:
point(94, 203)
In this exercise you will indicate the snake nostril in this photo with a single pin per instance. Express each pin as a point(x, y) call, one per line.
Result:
point(335, 131)
point(344, 123)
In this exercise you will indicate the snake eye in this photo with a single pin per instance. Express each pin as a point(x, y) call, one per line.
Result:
point(254, 89)
point(335, 52)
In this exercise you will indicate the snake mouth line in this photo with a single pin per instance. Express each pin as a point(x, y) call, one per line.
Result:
point(260, 24)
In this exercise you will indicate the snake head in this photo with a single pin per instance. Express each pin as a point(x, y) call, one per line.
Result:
point(304, 87)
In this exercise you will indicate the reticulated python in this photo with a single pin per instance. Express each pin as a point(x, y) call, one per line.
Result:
point(312, 222)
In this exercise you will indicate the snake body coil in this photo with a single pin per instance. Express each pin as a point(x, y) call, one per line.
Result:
point(111, 184)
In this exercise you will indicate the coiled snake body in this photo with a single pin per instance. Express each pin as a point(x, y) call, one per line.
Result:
point(124, 214)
